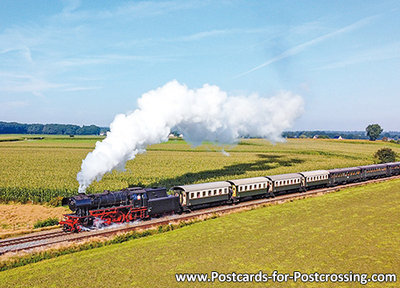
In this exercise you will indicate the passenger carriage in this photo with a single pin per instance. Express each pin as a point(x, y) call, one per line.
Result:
point(286, 182)
point(251, 187)
point(393, 168)
point(373, 171)
point(314, 179)
point(344, 175)
point(203, 194)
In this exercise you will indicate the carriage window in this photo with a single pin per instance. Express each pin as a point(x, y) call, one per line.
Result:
point(209, 192)
point(198, 194)
point(215, 192)
point(226, 190)
point(204, 193)
point(192, 195)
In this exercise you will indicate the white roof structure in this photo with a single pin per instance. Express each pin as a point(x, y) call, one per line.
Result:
point(202, 186)
point(373, 166)
point(285, 176)
point(245, 181)
point(315, 173)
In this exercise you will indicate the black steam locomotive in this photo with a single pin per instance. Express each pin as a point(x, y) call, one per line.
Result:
point(117, 207)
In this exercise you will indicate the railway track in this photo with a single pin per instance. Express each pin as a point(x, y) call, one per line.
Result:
point(50, 238)
point(29, 238)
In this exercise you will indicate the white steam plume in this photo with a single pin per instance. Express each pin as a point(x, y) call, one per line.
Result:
point(201, 114)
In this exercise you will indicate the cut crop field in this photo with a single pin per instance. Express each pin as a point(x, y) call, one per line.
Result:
point(356, 229)
point(20, 218)
point(37, 170)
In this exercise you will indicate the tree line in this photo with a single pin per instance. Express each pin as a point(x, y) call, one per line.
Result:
point(372, 132)
point(52, 129)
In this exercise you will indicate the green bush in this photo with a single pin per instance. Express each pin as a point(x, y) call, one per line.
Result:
point(385, 155)
point(46, 222)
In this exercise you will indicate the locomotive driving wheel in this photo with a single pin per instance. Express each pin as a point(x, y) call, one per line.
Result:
point(120, 217)
point(67, 228)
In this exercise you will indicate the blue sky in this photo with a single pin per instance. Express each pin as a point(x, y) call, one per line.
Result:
point(82, 62)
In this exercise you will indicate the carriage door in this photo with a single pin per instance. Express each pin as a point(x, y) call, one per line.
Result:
point(183, 198)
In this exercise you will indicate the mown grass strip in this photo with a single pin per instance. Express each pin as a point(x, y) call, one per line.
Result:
point(18, 261)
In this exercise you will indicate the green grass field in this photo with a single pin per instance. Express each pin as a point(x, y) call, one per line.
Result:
point(355, 229)
point(39, 170)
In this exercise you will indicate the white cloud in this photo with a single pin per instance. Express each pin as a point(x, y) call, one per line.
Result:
point(82, 88)
point(135, 9)
point(71, 5)
point(299, 48)
point(14, 104)
point(387, 52)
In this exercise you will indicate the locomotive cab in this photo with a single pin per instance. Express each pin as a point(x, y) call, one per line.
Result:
point(139, 200)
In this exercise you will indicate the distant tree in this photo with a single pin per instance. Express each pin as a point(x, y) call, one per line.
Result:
point(71, 129)
point(88, 130)
point(385, 155)
point(35, 129)
point(323, 137)
point(373, 131)
point(53, 129)
point(60, 129)
point(12, 128)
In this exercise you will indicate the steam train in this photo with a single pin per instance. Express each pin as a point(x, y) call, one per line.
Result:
point(130, 204)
